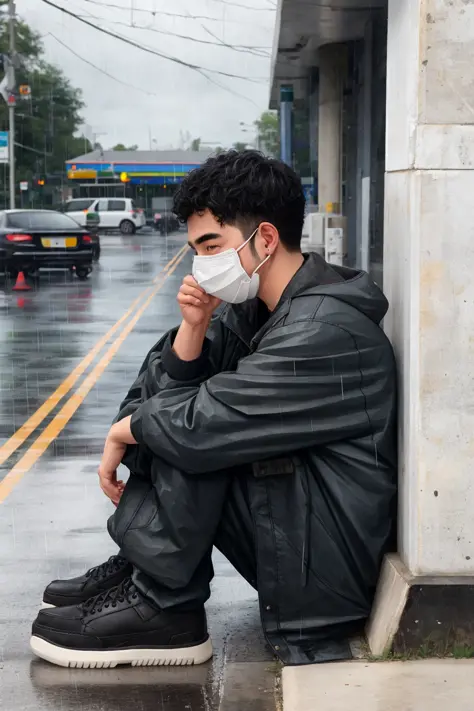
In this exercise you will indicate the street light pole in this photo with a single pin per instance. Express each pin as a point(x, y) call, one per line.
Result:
point(11, 105)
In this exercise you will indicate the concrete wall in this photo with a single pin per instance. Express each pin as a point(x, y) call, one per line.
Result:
point(429, 275)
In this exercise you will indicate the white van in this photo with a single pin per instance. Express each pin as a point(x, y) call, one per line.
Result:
point(115, 213)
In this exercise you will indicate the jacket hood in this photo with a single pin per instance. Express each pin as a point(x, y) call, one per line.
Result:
point(354, 287)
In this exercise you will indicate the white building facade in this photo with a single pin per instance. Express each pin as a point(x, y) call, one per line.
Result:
point(391, 86)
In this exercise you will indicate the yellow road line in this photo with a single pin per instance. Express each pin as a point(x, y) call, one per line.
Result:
point(57, 424)
point(182, 251)
point(17, 439)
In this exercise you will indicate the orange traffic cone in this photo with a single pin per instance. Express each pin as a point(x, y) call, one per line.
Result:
point(21, 284)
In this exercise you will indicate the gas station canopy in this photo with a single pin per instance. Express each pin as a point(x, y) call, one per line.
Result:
point(135, 167)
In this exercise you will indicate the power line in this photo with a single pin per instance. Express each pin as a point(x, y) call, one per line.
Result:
point(102, 71)
point(221, 43)
point(228, 3)
point(113, 6)
point(188, 16)
point(220, 86)
point(246, 49)
point(176, 60)
point(209, 79)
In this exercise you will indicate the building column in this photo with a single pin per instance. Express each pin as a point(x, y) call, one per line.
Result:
point(426, 594)
point(331, 76)
point(286, 124)
point(364, 145)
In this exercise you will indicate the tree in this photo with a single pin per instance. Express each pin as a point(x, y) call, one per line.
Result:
point(195, 144)
point(268, 134)
point(239, 146)
point(47, 121)
point(78, 146)
point(121, 147)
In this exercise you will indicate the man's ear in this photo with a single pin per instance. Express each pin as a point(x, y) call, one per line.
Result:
point(270, 237)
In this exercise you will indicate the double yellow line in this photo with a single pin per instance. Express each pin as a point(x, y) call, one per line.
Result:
point(57, 424)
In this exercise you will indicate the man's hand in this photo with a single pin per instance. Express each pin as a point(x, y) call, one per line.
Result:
point(196, 306)
point(115, 445)
point(111, 458)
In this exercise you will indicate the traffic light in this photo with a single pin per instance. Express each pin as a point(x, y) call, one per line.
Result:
point(40, 182)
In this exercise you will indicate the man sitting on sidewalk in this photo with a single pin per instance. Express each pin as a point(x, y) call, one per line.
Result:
point(264, 426)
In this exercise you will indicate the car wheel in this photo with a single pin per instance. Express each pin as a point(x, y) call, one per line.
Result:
point(127, 227)
point(82, 273)
point(96, 253)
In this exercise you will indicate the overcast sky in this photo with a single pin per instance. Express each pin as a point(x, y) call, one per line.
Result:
point(178, 99)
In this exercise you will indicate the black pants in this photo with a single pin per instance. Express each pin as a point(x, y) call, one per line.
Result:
point(166, 527)
point(168, 522)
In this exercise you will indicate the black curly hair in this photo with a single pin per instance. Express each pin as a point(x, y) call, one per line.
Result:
point(245, 188)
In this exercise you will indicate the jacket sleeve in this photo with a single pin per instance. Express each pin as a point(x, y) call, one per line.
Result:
point(301, 387)
point(154, 377)
point(161, 380)
point(133, 398)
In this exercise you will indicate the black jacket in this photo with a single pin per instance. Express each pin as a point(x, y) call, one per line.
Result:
point(306, 395)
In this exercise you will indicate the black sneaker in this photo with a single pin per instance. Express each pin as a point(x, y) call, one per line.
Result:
point(62, 593)
point(120, 626)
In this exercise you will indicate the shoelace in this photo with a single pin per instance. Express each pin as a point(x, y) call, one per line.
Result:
point(112, 565)
point(125, 592)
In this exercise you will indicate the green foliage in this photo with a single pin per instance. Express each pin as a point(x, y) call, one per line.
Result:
point(121, 147)
point(46, 122)
point(239, 146)
point(268, 133)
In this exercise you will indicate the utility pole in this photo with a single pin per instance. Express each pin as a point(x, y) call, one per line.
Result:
point(11, 105)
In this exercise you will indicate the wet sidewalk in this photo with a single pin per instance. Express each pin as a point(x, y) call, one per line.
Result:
point(434, 684)
point(52, 512)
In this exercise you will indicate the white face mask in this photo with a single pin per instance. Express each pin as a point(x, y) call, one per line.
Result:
point(223, 275)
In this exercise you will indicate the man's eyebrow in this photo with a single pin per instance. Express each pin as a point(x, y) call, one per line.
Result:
point(204, 238)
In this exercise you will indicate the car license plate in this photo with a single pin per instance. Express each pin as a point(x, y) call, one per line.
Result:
point(59, 242)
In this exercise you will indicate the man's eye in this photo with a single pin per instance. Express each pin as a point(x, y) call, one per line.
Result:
point(211, 247)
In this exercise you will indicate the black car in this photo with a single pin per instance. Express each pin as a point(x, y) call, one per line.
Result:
point(165, 222)
point(34, 239)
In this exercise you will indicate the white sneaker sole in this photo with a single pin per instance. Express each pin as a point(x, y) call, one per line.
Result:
point(80, 659)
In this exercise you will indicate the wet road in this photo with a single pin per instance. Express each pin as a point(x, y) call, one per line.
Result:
point(68, 350)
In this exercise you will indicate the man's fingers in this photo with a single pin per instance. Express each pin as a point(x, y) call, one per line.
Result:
point(112, 488)
point(185, 300)
point(109, 489)
point(188, 290)
point(114, 495)
point(191, 281)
